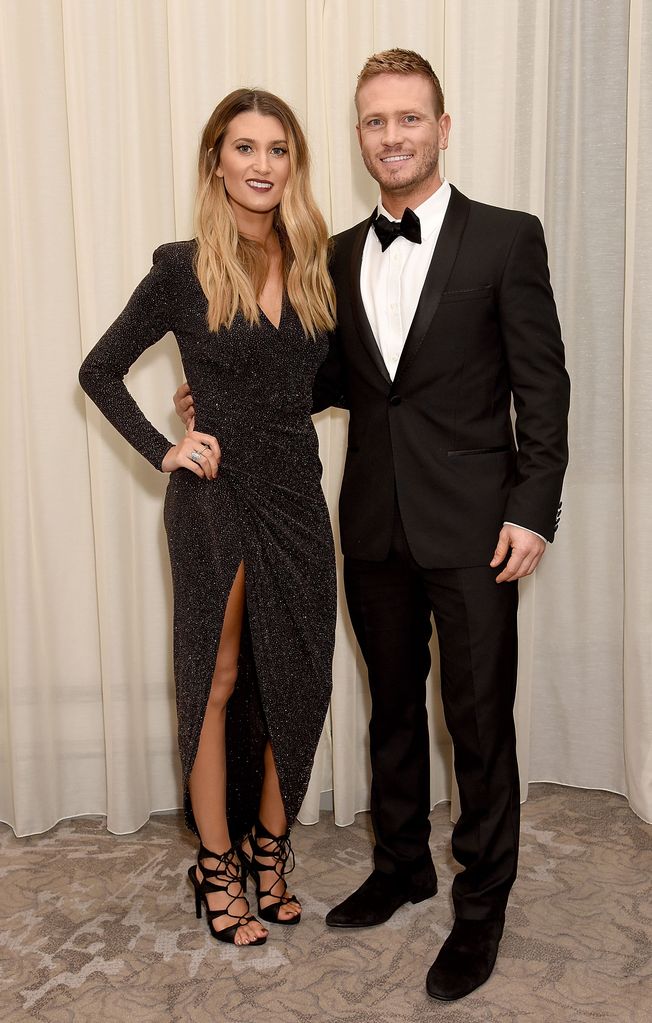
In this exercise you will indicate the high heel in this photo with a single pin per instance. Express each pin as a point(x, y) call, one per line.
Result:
point(279, 849)
point(228, 873)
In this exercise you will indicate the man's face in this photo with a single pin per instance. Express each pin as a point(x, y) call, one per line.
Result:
point(400, 134)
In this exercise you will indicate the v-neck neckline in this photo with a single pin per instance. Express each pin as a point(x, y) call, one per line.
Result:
point(280, 320)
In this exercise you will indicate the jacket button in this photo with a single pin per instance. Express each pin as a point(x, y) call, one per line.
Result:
point(395, 399)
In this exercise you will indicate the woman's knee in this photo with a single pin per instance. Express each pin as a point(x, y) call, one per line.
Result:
point(222, 686)
point(228, 652)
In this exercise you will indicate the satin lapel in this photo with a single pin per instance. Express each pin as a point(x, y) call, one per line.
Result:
point(359, 314)
point(439, 271)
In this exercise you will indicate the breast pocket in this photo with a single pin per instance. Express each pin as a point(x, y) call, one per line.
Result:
point(468, 294)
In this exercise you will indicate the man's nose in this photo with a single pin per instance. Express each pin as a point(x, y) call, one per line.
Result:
point(392, 134)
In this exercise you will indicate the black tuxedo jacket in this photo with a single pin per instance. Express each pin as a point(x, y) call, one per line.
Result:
point(439, 438)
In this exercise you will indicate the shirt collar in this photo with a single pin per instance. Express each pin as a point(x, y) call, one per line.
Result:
point(431, 212)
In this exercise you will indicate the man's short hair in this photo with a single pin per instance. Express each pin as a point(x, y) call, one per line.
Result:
point(401, 62)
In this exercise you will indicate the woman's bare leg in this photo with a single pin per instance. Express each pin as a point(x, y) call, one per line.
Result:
point(272, 811)
point(272, 816)
point(207, 782)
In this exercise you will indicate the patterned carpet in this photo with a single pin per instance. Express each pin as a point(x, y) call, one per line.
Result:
point(99, 928)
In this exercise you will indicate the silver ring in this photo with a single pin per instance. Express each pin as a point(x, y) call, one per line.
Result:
point(195, 456)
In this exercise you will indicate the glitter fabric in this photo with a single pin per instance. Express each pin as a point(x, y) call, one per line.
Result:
point(252, 389)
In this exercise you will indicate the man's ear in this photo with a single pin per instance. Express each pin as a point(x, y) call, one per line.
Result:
point(444, 127)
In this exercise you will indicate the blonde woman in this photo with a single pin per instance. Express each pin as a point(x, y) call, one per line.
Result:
point(250, 302)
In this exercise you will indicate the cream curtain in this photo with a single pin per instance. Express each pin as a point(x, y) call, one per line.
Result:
point(101, 105)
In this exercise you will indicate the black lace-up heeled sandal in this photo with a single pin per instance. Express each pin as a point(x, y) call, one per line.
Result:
point(225, 878)
point(277, 848)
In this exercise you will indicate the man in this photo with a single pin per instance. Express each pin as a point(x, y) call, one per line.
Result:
point(445, 313)
point(442, 317)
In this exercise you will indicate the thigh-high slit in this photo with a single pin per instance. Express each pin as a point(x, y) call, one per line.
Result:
point(283, 685)
point(207, 780)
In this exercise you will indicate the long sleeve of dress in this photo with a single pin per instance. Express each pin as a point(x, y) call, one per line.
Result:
point(147, 317)
point(329, 386)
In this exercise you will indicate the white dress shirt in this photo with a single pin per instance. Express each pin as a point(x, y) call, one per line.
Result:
point(391, 282)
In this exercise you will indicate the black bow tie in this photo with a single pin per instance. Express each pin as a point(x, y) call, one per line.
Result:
point(387, 230)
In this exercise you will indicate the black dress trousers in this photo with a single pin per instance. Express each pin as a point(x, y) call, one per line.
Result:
point(390, 603)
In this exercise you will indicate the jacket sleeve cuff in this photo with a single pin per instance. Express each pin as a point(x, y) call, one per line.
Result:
point(518, 526)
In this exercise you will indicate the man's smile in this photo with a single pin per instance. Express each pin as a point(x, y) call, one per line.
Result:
point(396, 159)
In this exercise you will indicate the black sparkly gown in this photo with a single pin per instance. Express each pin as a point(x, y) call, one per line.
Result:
point(252, 389)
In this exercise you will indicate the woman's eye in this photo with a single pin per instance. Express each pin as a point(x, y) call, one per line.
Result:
point(279, 151)
point(243, 148)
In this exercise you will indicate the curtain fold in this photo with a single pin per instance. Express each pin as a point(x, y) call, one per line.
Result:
point(637, 396)
point(577, 692)
point(101, 108)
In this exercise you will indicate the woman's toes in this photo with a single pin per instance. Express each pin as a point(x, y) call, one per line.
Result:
point(290, 911)
point(253, 933)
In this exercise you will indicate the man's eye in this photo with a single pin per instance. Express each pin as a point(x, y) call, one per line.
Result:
point(375, 122)
point(411, 118)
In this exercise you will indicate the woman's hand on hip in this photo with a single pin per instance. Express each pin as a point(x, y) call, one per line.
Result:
point(198, 452)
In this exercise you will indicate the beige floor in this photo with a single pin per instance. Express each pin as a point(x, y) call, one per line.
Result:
point(99, 928)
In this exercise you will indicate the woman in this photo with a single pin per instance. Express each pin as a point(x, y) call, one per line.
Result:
point(249, 301)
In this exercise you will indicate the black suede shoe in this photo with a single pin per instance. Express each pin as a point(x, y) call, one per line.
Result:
point(465, 960)
point(378, 898)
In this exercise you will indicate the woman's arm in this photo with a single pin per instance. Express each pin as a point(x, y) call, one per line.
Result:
point(147, 317)
point(329, 386)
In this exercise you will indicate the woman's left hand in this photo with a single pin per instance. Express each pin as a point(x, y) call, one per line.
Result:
point(199, 452)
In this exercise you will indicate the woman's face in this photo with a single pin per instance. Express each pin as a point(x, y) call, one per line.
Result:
point(254, 162)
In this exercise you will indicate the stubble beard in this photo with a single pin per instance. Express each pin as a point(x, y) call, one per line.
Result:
point(423, 169)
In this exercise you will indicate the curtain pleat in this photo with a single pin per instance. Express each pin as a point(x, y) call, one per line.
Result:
point(577, 692)
point(637, 397)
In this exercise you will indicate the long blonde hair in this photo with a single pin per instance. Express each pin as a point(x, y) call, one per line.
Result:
point(232, 269)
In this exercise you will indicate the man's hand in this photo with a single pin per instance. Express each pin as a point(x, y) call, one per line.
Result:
point(527, 551)
point(184, 405)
